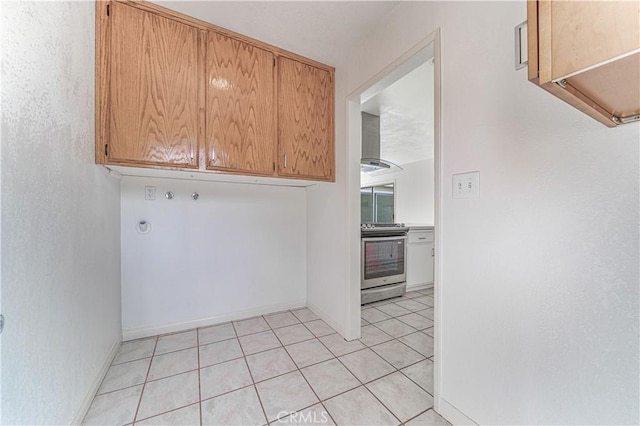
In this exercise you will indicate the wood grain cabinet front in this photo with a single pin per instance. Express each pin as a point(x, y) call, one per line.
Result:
point(305, 121)
point(153, 90)
point(240, 106)
point(173, 92)
point(587, 53)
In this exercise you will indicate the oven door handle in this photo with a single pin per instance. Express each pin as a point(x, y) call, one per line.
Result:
point(402, 237)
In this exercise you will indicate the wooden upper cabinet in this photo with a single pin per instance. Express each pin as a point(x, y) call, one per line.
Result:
point(153, 89)
point(305, 121)
point(588, 54)
point(240, 106)
point(173, 92)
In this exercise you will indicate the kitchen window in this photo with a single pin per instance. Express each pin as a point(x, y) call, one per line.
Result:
point(377, 203)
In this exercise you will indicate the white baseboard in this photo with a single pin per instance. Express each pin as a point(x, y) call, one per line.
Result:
point(421, 286)
point(452, 414)
point(326, 318)
point(93, 389)
point(154, 330)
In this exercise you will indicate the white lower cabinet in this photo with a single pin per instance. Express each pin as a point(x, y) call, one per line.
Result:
point(419, 258)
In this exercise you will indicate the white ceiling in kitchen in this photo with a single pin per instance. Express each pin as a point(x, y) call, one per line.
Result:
point(406, 117)
point(320, 30)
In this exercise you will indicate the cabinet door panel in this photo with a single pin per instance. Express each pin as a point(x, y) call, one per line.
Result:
point(586, 33)
point(305, 121)
point(240, 112)
point(153, 89)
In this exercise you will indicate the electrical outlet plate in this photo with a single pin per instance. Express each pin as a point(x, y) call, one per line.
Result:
point(466, 185)
point(149, 192)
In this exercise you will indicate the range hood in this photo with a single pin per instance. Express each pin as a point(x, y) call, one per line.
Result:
point(371, 161)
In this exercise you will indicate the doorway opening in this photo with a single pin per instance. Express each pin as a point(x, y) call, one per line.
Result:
point(425, 54)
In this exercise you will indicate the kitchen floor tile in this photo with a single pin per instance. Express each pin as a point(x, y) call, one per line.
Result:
point(395, 328)
point(397, 354)
point(412, 305)
point(429, 418)
point(293, 334)
point(429, 332)
point(359, 407)
point(422, 374)
point(404, 398)
point(394, 309)
point(329, 378)
point(240, 407)
point(305, 315)
point(312, 416)
point(366, 365)
point(135, 350)
point(339, 346)
point(363, 322)
point(373, 315)
point(268, 364)
point(371, 335)
point(250, 326)
point(114, 408)
point(281, 319)
point(189, 415)
point(217, 333)
point(259, 342)
point(412, 294)
point(319, 328)
point(425, 300)
point(420, 342)
point(218, 352)
point(308, 353)
point(416, 321)
point(225, 377)
point(167, 394)
point(285, 394)
point(175, 342)
point(427, 313)
point(173, 363)
point(125, 375)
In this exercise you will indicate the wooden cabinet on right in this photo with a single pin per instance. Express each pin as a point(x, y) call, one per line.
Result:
point(305, 121)
point(587, 53)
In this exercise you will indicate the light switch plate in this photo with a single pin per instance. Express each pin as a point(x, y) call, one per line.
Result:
point(466, 185)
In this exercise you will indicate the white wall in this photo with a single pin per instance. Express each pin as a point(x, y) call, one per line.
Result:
point(539, 290)
point(238, 250)
point(413, 191)
point(60, 216)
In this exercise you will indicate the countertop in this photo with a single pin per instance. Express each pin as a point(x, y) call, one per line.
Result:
point(419, 226)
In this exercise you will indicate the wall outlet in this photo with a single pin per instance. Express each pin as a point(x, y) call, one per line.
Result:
point(149, 192)
point(466, 185)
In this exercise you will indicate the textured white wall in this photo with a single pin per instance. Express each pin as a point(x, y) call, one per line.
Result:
point(540, 280)
point(60, 216)
point(238, 250)
point(413, 191)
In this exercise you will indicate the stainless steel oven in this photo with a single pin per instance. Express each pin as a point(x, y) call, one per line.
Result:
point(383, 261)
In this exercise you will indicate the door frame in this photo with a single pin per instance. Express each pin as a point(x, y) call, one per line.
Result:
point(425, 50)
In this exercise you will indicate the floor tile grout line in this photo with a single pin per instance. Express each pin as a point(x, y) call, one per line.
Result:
point(144, 385)
point(362, 383)
point(199, 384)
point(165, 412)
point(253, 382)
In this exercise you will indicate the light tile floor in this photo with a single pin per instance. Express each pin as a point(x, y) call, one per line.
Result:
point(282, 368)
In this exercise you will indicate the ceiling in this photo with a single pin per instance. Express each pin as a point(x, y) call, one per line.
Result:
point(320, 30)
point(406, 117)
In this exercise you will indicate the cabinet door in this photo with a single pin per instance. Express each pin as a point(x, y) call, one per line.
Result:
point(153, 89)
point(419, 264)
point(305, 121)
point(240, 111)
